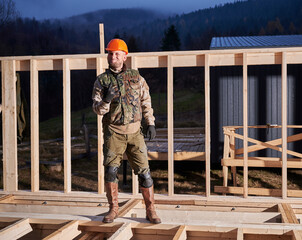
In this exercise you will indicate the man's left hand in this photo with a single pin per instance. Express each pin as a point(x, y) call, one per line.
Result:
point(151, 133)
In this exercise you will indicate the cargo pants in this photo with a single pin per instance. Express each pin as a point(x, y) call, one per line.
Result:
point(115, 145)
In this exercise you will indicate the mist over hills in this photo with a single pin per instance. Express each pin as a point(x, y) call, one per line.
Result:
point(195, 29)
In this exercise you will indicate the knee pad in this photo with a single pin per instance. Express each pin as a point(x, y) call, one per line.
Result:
point(145, 180)
point(111, 174)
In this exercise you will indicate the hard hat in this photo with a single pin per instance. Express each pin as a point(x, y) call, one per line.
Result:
point(117, 45)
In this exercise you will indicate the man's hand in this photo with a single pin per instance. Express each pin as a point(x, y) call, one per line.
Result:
point(110, 93)
point(151, 133)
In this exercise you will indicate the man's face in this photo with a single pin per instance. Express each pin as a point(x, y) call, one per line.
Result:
point(116, 59)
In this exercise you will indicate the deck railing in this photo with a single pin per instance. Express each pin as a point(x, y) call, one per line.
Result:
point(169, 60)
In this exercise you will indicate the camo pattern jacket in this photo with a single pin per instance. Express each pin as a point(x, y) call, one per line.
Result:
point(133, 102)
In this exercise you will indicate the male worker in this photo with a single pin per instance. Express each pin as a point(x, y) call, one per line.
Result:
point(122, 96)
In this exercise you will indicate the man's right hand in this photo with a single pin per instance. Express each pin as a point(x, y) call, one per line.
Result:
point(110, 93)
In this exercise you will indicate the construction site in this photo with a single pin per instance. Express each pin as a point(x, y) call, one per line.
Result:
point(222, 212)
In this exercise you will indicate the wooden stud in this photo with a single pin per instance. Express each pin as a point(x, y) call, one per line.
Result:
point(102, 38)
point(34, 125)
point(245, 126)
point(67, 125)
point(128, 207)
point(135, 184)
point(123, 233)
point(16, 230)
point(101, 170)
point(240, 234)
point(181, 233)
point(9, 126)
point(296, 235)
point(284, 125)
point(287, 213)
point(170, 127)
point(68, 231)
point(207, 124)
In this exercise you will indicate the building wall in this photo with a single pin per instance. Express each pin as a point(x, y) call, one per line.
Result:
point(264, 101)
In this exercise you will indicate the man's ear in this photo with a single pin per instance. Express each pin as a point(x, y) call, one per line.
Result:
point(125, 57)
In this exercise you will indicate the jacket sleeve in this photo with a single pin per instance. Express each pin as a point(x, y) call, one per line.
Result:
point(99, 106)
point(147, 109)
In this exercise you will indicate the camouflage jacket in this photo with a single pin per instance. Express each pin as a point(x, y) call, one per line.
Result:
point(133, 101)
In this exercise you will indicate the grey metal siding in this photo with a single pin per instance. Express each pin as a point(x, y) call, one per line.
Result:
point(264, 101)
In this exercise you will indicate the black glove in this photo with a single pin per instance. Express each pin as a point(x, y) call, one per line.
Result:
point(151, 133)
point(110, 93)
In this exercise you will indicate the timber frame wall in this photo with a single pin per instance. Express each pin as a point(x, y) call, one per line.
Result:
point(169, 60)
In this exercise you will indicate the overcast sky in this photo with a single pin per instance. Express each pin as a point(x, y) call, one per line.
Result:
point(44, 9)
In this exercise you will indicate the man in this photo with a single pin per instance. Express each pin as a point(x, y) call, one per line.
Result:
point(122, 96)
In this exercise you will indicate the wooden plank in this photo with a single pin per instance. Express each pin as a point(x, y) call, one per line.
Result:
point(170, 127)
point(68, 231)
point(34, 125)
point(240, 234)
point(181, 233)
point(207, 123)
point(284, 125)
point(102, 38)
point(9, 126)
point(287, 213)
point(128, 207)
point(7, 198)
point(258, 191)
point(16, 230)
point(259, 162)
point(245, 126)
point(101, 170)
point(135, 184)
point(296, 235)
point(67, 125)
point(274, 142)
point(268, 145)
point(123, 233)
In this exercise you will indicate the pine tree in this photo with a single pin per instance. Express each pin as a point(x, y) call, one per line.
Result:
point(170, 41)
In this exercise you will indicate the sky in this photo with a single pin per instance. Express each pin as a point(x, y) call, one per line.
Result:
point(46, 9)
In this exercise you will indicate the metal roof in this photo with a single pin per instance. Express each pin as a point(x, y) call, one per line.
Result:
point(256, 41)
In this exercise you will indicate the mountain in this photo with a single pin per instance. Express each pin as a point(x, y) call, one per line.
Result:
point(195, 29)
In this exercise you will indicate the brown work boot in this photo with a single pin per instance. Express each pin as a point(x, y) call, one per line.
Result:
point(111, 193)
point(148, 194)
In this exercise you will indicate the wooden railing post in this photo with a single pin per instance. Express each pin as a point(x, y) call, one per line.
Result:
point(9, 111)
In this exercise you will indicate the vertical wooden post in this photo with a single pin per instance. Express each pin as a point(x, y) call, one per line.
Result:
point(100, 69)
point(170, 127)
point(245, 126)
point(102, 38)
point(67, 125)
point(284, 125)
point(34, 125)
point(207, 123)
point(134, 177)
point(9, 126)
point(101, 170)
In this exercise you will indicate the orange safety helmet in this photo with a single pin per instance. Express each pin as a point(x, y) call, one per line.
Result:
point(117, 45)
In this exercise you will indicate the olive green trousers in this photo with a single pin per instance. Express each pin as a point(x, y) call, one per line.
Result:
point(115, 145)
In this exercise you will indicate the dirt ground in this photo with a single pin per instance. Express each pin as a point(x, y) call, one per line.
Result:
point(189, 175)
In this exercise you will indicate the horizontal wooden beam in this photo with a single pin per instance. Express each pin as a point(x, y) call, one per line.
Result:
point(68, 231)
point(16, 230)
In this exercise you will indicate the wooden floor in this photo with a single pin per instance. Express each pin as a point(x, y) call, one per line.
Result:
point(52, 215)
